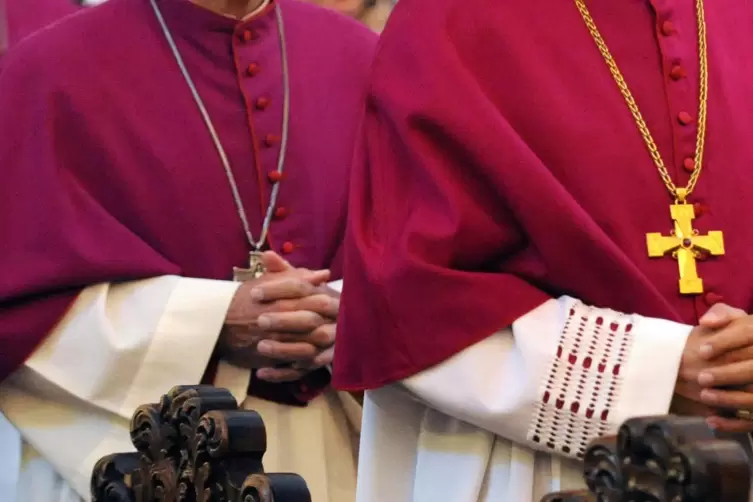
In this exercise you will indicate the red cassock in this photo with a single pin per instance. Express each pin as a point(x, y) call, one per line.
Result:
point(109, 173)
point(500, 167)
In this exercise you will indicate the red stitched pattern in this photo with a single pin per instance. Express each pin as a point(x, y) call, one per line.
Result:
point(583, 381)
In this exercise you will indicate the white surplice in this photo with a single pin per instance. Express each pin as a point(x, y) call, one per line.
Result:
point(504, 419)
point(123, 345)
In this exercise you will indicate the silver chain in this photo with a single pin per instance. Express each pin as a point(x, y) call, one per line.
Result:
point(256, 245)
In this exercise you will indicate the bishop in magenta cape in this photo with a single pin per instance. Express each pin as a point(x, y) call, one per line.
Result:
point(502, 196)
point(112, 188)
point(67, 223)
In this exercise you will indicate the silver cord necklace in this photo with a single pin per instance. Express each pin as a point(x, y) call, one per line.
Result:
point(256, 267)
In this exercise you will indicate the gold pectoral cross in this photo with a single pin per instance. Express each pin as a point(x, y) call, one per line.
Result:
point(686, 245)
point(254, 271)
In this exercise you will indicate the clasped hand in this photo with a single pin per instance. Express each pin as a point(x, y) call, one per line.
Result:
point(716, 373)
point(283, 323)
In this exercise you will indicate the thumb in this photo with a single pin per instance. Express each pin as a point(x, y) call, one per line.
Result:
point(720, 315)
point(273, 262)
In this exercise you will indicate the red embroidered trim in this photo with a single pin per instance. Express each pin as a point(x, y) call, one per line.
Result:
point(583, 381)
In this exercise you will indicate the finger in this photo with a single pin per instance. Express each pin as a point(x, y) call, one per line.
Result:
point(319, 277)
point(324, 358)
point(735, 356)
point(322, 304)
point(322, 337)
point(729, 424)
point(730, 374)
point(327, 290)
point(737, 335)
point(719, 315)
point(283, 289)
point(300, 321)
point(278, 375)
point(293, 351)
point(734, 399)
point(273, 262)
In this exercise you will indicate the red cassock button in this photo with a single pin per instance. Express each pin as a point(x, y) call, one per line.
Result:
point(274, 176)
point(262, 103)
point(253, 70)
point(248, 35)
point(712, 298)
point(684, 118)
point(700, 208)
point(688, 164)
point(288, 247)
point(271, 140)
point(667, 28)
point(677, 72)
point(281, 212)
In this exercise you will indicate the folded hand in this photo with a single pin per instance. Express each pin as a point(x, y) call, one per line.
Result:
point(286, 308)
point(304, 335)
point(724, 366)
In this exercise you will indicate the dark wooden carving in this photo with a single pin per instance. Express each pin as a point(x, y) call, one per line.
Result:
point(663, 459)
point(195, 445)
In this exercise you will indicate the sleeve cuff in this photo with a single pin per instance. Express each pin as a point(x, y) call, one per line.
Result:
point(653, 363)
point(184, 339)
point(336, 285)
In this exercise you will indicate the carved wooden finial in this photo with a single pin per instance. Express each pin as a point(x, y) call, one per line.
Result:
point(663, 459)
point(195, 445)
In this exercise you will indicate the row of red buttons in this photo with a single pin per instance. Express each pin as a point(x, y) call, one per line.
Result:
point(275, 177)
point(677, 72)
point(270, 140)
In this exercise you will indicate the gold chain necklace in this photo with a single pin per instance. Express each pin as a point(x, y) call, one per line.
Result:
point(684, 243)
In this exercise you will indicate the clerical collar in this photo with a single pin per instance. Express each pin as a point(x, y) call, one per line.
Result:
point(188, 19)
point(250, 14)
point(256, 11)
